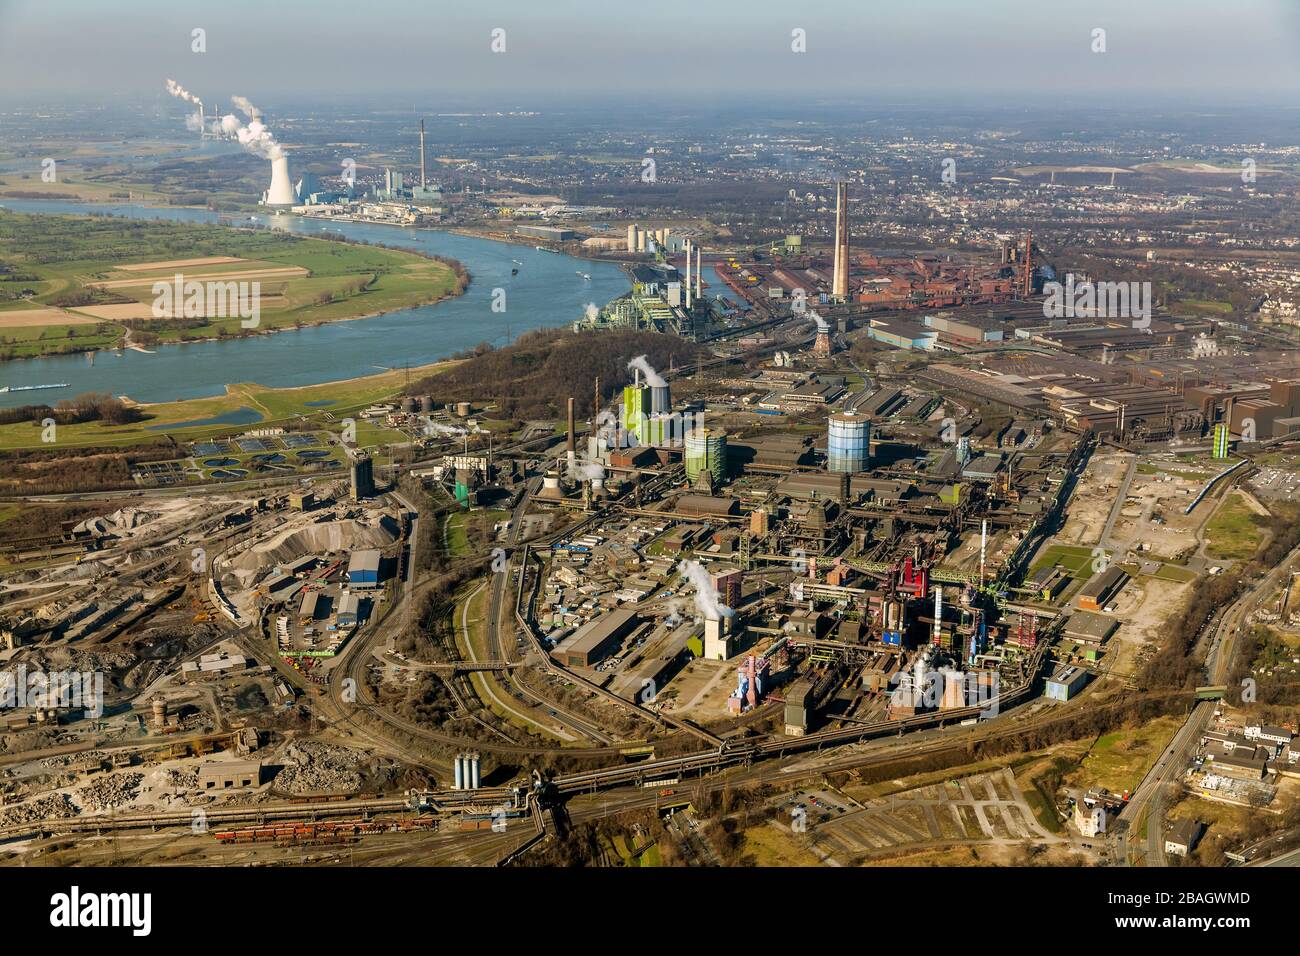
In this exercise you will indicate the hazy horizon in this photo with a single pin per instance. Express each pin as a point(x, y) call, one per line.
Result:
point(928, 52)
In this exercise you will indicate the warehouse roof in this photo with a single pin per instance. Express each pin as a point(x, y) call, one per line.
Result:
point(367, 560)
point(706, 505)
point(596, 631)
point(1088, 625)
point(1103, 582)
point(1068, 674)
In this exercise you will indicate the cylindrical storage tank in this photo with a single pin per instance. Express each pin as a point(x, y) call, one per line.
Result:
point(848, 442)
point(459, 766)
point(706, 450)
point(426, 404)
point(660, 400)
point(463, 409)
point(409, 404)
point(159, 711)
point(631, 237)
point(473, 771)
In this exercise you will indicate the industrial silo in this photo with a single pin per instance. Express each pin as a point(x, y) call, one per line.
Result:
point(660, 399)
point(848, 442)
point(409, 405)
point(426, 404)
point(706, 450)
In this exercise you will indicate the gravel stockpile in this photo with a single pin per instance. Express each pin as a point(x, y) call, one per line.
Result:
point(110, 792)
point(59, 806)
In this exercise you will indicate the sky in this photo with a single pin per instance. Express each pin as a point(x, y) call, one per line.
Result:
point(1207, 51)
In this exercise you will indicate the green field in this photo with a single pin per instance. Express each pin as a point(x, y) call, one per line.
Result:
point(58, 262)
point(1205, 305)
point(274, 405)
point(1076, 560)
point(1119, 761)
point(1234, 532)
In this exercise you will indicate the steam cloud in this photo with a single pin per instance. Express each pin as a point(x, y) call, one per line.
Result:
point(254, 136)
point(437, 428)
point(652, 378)
point(822, 324)
point(245, 106)
point(706, 597)
point(585, 471)
point(178, 91)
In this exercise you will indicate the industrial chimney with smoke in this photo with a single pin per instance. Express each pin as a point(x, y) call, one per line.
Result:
point(280, 192)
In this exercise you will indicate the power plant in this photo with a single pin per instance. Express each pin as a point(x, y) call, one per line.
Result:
point(280, 192)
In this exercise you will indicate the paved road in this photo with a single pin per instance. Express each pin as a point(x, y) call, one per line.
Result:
point(1151, 794)
point(1121, 495)
point(1149, 798)
point(1286, 859)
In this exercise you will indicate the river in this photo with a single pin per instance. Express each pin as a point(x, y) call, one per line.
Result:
point(548, 291)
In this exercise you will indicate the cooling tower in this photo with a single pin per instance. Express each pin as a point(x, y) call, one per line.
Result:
point(281, 191)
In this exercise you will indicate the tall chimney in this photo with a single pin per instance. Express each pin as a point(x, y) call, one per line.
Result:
point(699, 287)
point(840, 280)
point(938, 613)
point(1029, 264)
point(688, 274)
point(422, 182)
point(571, 445)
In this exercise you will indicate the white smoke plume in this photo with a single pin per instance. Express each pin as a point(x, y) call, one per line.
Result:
point(178, 91)
point(254, 137)
point(822, 324)
point(585, 471)
point(437, 428)
point(706, 596)
point(652, 378)
point(245, 106)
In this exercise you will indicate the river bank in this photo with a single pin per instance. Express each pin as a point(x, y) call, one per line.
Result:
point(497, 306)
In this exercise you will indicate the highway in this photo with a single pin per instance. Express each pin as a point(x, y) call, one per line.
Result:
point(1149, 799)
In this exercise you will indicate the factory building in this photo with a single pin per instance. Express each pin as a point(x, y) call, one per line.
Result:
point(848, 442)
point(230, 774)
point(729, 585)
point(902, 334)
point(1048, 581)
point(363, 478)
point(363, 569)
point(553, 233)
point(719, 638)
point(349, 609)
point(1088, 627)
point(597, 638)
point(1102, 588)
point(799, 706)
point(1220, 450)
point(636, 409)
point(1065, 683)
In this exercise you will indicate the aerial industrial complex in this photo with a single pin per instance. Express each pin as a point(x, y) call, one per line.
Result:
point(620, 493)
